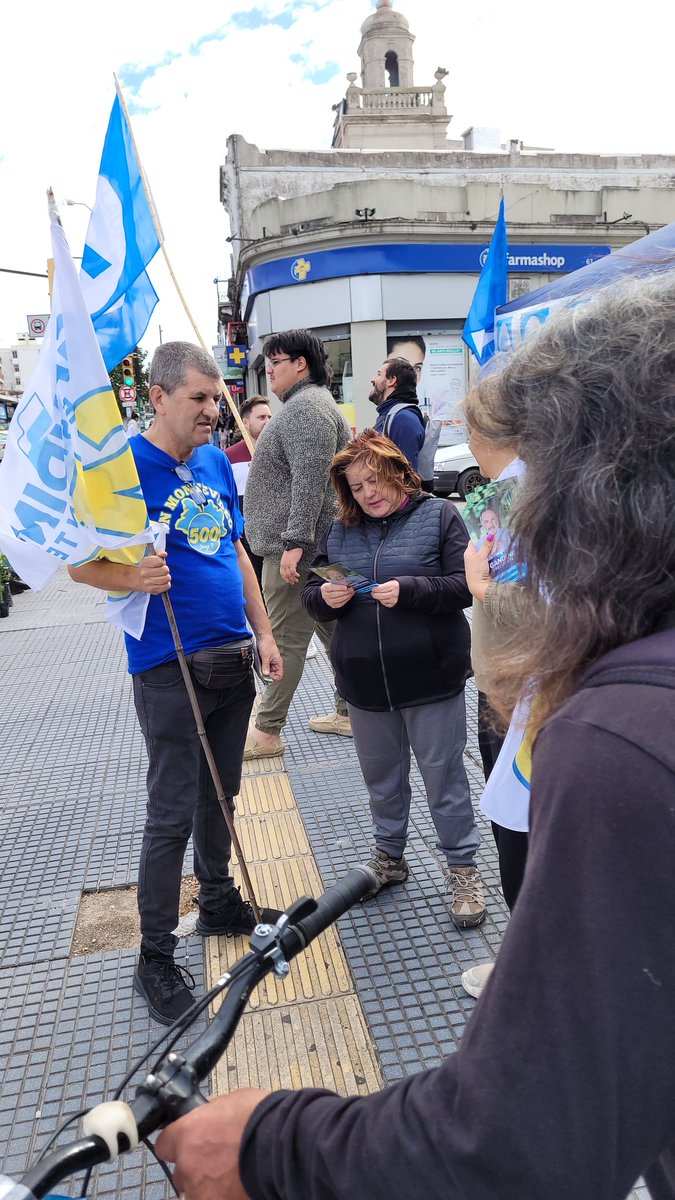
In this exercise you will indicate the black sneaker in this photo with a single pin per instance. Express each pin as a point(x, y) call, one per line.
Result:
point(235, 916)
point(165, 987)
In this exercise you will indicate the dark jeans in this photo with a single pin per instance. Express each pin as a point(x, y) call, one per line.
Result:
point(511, 843)
point(181, 795)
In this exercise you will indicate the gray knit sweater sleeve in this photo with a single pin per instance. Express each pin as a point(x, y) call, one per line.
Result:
point(289, 497)
point(310, 439)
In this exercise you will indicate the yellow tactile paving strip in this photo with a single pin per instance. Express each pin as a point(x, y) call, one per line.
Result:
point(307, 1030)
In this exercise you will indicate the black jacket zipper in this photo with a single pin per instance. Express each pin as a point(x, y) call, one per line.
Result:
point(378, 606)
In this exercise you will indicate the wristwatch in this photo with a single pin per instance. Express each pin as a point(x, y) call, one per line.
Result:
point(291, 545)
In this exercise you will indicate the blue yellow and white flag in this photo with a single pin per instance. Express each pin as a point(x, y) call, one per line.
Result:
point(492, 291)
point(121, 240)
point(69, 488)
point(506, 798)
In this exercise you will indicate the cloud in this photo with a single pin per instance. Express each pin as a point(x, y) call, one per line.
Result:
point(322, 74)
point(255, 18)
point(133, 76)
point(312, 72)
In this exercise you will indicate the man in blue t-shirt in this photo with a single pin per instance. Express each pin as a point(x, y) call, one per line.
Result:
point(189, 489)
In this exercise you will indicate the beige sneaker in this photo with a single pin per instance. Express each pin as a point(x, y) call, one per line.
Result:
point(332, 723)
point(467, 899)
point(474, 980)
point(254, 749)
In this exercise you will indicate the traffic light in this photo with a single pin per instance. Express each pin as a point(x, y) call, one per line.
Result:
point(128, 374)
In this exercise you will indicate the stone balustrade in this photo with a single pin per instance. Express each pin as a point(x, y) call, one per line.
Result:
point(401, 99)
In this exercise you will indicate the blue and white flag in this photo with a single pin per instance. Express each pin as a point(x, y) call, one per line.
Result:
point(492, 291)
point(69, 488)
point(121, 240)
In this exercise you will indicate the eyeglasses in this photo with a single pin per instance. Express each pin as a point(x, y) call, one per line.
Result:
point(185, 475)
point(274, 362)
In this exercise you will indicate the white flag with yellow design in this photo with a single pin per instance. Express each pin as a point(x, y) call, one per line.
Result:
point(69, 488)
point(506, 798)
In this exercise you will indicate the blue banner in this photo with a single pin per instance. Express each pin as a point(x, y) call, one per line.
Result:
point(649, 254)
point(411, 258)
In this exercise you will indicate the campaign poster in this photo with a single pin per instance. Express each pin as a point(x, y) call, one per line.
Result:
point(440, 366)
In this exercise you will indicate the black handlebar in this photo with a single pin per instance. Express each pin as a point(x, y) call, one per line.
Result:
point(172, 1090)
point(335, 902)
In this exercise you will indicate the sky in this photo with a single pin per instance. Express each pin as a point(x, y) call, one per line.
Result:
point(583, 77)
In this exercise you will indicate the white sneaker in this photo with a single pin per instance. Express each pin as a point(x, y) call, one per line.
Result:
point(475, 979)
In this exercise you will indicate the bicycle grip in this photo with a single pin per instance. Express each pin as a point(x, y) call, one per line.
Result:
point(335, 901)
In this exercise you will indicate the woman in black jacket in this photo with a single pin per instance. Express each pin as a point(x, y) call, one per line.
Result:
point(400, 653)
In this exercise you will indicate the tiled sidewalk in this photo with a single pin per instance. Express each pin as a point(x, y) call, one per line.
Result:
point(72, 800)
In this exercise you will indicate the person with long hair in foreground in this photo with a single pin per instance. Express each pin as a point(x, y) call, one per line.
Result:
point(563, 1087)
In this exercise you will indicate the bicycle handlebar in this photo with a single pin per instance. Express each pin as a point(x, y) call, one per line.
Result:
point(336, 901)
point(172, 1090)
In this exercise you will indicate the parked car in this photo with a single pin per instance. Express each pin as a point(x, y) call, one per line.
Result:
point(456, 470)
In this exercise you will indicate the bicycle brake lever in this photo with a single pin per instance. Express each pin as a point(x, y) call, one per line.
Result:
point(265, 941)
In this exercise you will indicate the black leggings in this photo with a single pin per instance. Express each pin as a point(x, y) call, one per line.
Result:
point(511, 844)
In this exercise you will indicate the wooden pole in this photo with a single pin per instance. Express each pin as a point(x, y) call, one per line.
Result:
point(208, 754)
point(158, 229)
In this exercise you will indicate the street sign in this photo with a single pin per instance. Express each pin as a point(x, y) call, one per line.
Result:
point(37, 324)
point(127, 394)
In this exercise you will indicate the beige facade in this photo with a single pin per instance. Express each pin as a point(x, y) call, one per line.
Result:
point(308, 226)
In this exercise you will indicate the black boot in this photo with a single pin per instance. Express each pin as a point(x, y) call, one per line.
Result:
point(235, 916)
point(166, 988)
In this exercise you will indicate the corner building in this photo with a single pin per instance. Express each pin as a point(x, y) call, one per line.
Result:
point(380, 238)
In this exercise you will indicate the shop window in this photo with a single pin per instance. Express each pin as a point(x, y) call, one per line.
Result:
point(339, 356)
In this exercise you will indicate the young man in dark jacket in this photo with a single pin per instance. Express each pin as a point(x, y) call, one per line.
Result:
point(395, 382)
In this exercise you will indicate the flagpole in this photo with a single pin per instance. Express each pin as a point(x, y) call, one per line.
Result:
point(158, 229)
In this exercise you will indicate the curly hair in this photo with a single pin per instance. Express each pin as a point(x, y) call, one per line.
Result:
point(383, 458)
point(589, 402)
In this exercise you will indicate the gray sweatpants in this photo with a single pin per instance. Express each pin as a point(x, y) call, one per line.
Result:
point(437, 735)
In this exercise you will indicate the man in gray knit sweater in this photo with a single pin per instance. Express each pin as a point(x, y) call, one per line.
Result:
point(288, 506)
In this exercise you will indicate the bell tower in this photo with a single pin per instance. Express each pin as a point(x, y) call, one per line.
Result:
point(388, 112)
point(386, 49)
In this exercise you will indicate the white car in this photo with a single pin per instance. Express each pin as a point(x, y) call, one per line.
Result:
point(456, 470)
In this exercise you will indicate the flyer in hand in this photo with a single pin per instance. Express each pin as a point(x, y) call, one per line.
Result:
point(488, 510)
point(338, 573)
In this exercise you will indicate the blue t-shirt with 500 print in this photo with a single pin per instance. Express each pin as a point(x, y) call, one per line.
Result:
point(207, 592)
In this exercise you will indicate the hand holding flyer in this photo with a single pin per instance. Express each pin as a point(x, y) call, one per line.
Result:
point(487, 512)
point(338, 573)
